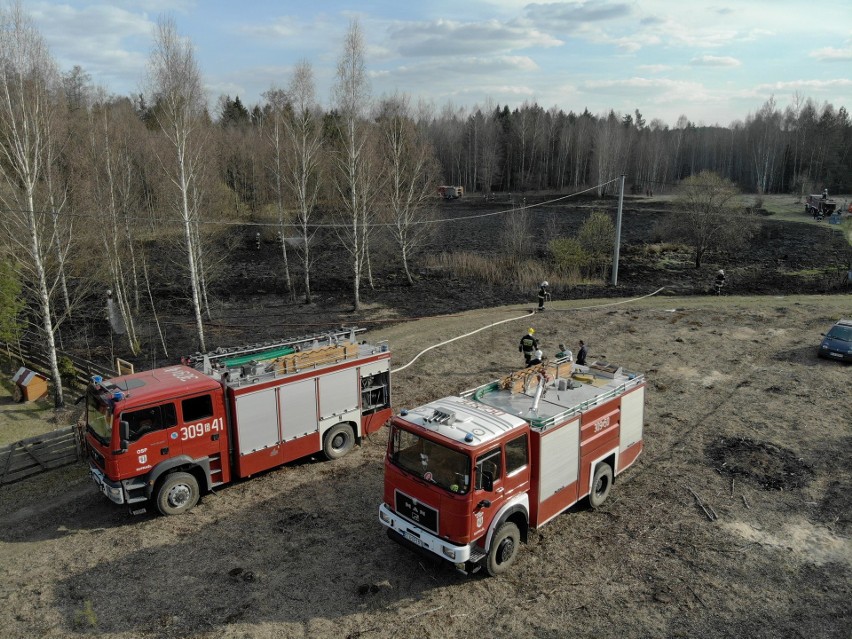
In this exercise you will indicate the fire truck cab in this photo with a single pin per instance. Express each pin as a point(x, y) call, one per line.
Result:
point(466, 477)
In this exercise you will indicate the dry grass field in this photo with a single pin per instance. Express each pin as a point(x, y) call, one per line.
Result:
point(740, 412)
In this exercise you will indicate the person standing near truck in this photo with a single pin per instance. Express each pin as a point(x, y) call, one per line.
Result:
point(528, 345)
point(581, 354)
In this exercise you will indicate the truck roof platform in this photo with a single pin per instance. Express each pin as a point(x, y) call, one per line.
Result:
point(549, 394)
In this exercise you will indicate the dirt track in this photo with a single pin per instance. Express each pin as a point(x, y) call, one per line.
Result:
point(739, 410)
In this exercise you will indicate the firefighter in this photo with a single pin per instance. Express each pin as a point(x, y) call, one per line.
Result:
point(528, 345)
point(719, 282)
point(543, 294)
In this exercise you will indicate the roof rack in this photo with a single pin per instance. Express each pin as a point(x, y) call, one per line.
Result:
point(269, 350)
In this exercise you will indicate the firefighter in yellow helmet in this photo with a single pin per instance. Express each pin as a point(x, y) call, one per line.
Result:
point(528, 345)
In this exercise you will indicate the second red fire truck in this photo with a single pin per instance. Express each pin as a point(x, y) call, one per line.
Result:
point(165, 436)
point(466, 477)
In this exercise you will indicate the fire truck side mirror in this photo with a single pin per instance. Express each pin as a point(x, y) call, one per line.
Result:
point(124, 435)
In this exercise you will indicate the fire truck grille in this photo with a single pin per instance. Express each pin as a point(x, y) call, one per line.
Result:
point(417, 512)
point(96, 457)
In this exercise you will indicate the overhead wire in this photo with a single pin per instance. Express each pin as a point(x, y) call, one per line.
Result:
point(514, 209)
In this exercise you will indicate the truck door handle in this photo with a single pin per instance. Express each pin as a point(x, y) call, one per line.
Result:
point(499, 490)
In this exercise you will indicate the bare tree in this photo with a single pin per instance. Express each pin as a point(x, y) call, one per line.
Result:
point(355, 177)
point(304, 134)
point(175, 84)
point(411, 174)
point(276, 133)
point(113, 177)
point(707, 215)
point(29, 101)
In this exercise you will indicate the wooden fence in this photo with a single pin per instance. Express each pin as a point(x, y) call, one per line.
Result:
point(31, 357)
point(37, 454)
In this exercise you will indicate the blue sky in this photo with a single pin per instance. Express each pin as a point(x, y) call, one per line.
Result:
point(714, 61)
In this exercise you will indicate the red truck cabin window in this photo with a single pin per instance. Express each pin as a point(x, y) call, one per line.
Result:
point(196, 408)
point(148, 420)
point(516, 454)
point(488, 465)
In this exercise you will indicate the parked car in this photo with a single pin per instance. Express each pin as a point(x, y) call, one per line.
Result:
point(837, 343)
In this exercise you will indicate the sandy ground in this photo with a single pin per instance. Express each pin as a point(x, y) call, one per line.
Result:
point(740, 413)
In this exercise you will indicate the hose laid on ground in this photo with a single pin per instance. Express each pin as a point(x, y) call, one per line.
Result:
point(520, 317)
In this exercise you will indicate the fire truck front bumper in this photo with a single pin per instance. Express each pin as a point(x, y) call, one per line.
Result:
point(420, 539)
point(112, 489)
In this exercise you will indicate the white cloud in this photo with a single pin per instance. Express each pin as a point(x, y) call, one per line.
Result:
point(806, 85)
point(568, 16)
point(831, 54)
point(108, 42)
point(654, 68)
point(715, 61)
point(449, 38)
point(654, 90)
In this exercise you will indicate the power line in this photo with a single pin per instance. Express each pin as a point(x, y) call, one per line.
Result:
point(96, 216)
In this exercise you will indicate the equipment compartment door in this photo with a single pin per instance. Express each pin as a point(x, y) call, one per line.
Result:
point(559, 465)
point(338, 393)
point(257, 421)
point(298, 402)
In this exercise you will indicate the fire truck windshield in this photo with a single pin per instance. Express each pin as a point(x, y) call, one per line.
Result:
point(431, 461)
point(98, 419)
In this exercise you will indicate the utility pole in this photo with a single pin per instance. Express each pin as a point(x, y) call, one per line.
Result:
point(617, 234)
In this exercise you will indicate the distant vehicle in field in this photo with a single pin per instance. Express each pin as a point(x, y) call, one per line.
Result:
point(450, 192)
point(820, 205)
point(837, 343)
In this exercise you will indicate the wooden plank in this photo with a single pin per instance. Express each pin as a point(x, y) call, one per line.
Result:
point(314, 357)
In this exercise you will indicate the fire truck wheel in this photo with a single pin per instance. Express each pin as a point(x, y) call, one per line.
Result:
point(504, 549)
point(601, 485)
point(338, 441)
point(178, 493)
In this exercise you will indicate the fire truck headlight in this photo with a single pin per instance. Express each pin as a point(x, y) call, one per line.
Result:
point(384, 517)
point(449, 552)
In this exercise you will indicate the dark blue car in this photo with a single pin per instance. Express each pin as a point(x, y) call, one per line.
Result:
point(837, 343)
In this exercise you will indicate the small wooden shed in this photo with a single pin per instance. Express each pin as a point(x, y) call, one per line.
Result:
point(29, 385)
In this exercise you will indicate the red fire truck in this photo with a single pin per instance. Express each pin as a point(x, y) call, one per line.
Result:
point(467, 477)
point(164, 436)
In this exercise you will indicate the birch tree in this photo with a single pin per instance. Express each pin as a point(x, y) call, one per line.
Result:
point(29, 103)
point(411, 172)
point(175, 84)
point(113, 174)
point(351, 97)
point(304, 134)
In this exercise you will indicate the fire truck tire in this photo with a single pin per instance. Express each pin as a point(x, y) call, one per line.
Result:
point(601, 485)
point(177, 493)
point(504, 549)
point(338, 441)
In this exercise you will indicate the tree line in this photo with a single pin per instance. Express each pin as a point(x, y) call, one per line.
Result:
point(99, 190)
